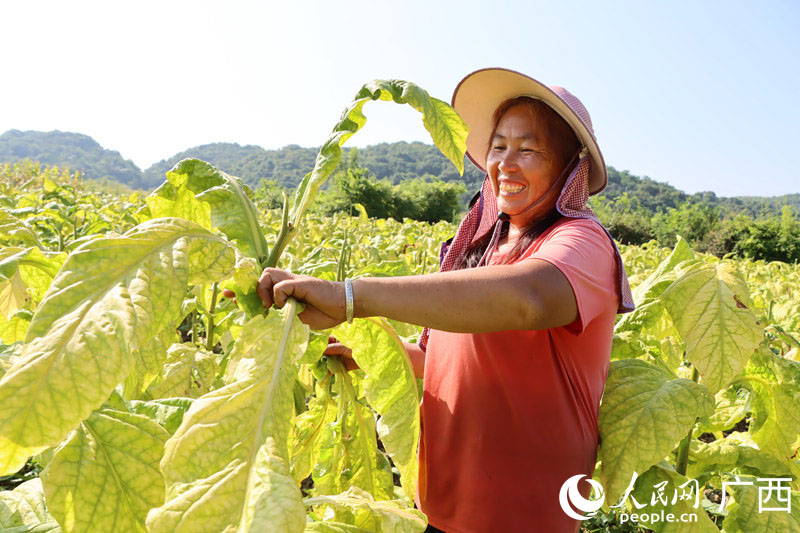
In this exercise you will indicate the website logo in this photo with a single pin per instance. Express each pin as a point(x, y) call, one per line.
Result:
point(571, 500)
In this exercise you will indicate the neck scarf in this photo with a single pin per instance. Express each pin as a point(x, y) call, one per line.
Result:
point(483, 218)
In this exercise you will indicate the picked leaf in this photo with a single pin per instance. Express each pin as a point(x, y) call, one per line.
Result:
point(227, 466)
point(390, 388)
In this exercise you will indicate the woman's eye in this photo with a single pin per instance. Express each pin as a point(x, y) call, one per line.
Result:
point(498, 147)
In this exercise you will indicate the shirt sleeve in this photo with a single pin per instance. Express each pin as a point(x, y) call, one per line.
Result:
point(583, 252)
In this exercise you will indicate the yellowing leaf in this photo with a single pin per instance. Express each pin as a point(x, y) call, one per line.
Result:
point(390, 388)
point(188, 372)
point(193, 182)
point(745, 516)
point(227, 466)
point(391, 516)
point(111, 297)
point(109, 462)
point(643, 416)
point(647, 486)
point(707, 306)
point(24, 509)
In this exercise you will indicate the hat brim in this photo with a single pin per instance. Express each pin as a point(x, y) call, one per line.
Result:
point(480, 93)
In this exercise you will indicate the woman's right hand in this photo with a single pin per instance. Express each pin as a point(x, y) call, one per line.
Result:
point(345, 354)
point(325, 300)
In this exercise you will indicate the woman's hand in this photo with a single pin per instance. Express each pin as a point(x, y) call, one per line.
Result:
point(345, 354)
point(325, 300)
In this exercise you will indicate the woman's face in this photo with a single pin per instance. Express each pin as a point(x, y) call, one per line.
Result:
point(522, 165)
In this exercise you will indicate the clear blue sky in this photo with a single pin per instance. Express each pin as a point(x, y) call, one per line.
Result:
point(702, 95)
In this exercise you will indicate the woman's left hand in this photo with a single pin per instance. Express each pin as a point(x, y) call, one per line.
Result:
point(325, 300)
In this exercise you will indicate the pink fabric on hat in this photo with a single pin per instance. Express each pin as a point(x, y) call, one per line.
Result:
point(576, 105)
point(482, 217)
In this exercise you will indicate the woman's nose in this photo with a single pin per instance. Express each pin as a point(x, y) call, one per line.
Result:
point(508, 162)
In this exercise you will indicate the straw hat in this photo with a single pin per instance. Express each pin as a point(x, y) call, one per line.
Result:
point(478, 95)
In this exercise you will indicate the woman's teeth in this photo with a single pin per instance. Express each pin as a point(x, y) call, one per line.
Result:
point(510, 189)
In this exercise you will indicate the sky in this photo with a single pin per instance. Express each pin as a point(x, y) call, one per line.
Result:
point(701, 95)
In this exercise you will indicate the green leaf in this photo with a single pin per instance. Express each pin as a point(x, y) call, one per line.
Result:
point(14, 329)
point(649, 309)
point(707, 303)
point(774, 368)
point(730, 455)
point(732, 404)
point(643, 416)
point(109, 463)
point(189, 371)
point(13, 230)
point(8, 353)
point(110, 299)
point(24, 509)
point(167, 412)
point(447, 129)
point(390, 388)
point(348, 450)
point(334, 527)
point(317, 343)
point(309, 429)
point(227, 466)
point(231, 210)
point(745, 517)
point(392, 516)
point(777, 418)
point(658, 487)
point(663, 276)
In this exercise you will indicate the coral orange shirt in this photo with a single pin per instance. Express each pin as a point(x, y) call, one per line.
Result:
point(509, 416)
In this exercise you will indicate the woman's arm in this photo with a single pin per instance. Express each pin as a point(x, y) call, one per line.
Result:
point(417, 357)
point(530, 294)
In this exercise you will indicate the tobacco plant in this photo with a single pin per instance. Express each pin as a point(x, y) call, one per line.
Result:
point(155, 405)
point(139, 431)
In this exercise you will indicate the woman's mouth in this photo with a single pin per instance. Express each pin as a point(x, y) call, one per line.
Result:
point(510, 188)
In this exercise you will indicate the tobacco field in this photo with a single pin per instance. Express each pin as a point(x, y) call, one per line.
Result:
point(133, 397)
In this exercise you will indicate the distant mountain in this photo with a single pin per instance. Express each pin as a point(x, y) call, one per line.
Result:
point(252, 163)
point(74, 150)
point(654, 196)
point(395, 162)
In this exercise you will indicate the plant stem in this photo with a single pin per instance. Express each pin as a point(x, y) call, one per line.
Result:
point(194, 327)
point(210, 328)
point(683, 447)
point(284, 236)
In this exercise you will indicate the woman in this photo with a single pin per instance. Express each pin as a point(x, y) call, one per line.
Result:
point(520, 316)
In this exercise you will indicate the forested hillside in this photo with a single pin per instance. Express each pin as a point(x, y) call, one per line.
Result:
point(394, 162)
point(73, 150)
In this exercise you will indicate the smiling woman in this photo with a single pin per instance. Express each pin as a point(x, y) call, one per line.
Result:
point(518, 321)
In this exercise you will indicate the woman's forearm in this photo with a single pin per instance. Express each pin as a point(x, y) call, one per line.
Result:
point(529, 295)
point(417, 357)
